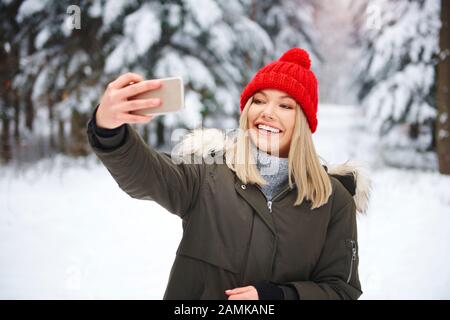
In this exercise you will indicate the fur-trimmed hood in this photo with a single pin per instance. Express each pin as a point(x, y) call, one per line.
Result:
point(211, 141)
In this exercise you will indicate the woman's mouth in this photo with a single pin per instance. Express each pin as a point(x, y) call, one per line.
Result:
point(268, 130)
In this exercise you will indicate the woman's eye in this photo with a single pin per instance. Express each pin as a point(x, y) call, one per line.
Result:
point(257, 101)
point(285, 106)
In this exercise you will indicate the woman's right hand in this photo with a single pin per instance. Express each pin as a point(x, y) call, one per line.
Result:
point(114, 107)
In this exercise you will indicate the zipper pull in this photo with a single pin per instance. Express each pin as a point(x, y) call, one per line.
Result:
point(353, 250)
point(269, 205)
point(352, 261)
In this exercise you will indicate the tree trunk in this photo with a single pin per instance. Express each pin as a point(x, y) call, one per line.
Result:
point(443, 95)
point(17, 115)
point(78, 145)
point(29, 111)
point(159, 133)
point(6, 154)
point(61, 137)
point(51, 123)
point(146, 134)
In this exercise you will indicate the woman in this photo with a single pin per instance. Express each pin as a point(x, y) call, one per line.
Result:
point(268, 221)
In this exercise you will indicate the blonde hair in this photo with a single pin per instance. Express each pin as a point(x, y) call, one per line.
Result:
point(313, 182)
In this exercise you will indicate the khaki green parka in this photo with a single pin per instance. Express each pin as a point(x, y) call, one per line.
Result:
point(233, 236)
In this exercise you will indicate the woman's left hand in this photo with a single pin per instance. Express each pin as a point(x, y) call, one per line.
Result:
point(243, 293)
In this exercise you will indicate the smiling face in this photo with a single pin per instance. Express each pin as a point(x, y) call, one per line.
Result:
point(271, 121)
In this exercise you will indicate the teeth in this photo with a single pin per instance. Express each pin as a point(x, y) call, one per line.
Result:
point(271, 129)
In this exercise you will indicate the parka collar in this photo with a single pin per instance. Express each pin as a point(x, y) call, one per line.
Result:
point(353, 175)
point(255, 198)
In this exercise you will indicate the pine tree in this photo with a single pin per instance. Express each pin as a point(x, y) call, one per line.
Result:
point(61, 72)
point(443, 94)
point(398, 78)
point(9, 56)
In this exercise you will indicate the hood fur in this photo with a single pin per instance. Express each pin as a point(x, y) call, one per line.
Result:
point(208, 142)
point(353, 175)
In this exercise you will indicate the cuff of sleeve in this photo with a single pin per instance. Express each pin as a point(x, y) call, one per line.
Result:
point(268, 290)
point(290, 292)
point(108, 138)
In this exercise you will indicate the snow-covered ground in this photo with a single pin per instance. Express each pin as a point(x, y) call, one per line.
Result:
point(67, 231)
point(404, 238)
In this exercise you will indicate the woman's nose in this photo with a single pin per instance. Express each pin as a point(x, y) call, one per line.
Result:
point(268, 111)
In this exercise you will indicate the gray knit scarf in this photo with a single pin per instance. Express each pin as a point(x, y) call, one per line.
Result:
point(273, 169)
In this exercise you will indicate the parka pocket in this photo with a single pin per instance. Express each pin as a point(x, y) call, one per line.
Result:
point(225, 258)
point(352, 251)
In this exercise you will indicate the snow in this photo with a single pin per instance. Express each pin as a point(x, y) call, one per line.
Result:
point(117, 58)
point(113, 9)
point(143, 28)
point(253, 35)
point(42, 38)
point(174, 14)
point(199, 74)
point(40, 85)
point(404, 243)
point(402, 73)
point(57, 240)
point(95, 10)
point(222, 39)
point(191, 115)
point(30, 7)
point(67, 231)
point(171, 64)
point(404, 237)
point(205, 12)
point(418, 23)
point(7, 47)
point(190, 68)
point(78, 59)
point(215, 46)
point(226, 100)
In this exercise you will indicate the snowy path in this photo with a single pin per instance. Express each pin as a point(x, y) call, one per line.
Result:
point(405, 237)
point(72, 233)
point(75, 234)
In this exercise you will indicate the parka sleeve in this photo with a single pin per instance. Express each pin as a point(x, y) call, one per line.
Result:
point(335, 276)
point(144, 173)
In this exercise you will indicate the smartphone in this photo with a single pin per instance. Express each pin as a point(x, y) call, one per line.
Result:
point(171, 93)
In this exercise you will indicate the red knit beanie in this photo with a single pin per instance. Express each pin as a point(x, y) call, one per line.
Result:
point(291, 74)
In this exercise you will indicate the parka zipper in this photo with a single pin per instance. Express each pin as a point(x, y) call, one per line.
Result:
point(269, 202)
point(353, 258)
point(269, 205)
